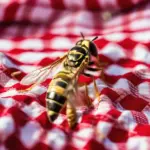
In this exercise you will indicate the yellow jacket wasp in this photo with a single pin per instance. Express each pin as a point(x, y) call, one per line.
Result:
point(63, 88)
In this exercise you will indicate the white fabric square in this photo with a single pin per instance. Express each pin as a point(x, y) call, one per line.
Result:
point(30, 134)
point(7, 127)
point(36, 14)
point(113, 51)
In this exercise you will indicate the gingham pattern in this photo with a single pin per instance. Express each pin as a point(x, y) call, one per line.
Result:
point(35, 33)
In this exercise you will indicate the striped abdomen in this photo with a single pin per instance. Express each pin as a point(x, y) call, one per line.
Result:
point(56, 95)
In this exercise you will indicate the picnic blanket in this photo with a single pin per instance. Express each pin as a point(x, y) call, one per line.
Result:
point(35, 33)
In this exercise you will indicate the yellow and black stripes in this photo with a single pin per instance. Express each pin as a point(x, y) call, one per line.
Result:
point(62, 84)
point(52, 110)
point(71, 115)
point(56, 95)
point(55, 103)
point(76, 56)
point(79, 49)
point(78, 59)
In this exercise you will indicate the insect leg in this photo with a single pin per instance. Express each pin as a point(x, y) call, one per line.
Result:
point(16, 73)
point(96, 91)
point(102, 76)
point(89, 103)
point(91, 63)
point(71, 115)
point(86, 74)
point(91, 70)
point(99, 68)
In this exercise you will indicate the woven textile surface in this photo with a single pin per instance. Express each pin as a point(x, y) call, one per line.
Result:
point(35, 33)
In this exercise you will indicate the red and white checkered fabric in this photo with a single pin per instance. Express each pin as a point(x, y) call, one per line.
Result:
point(34, 33)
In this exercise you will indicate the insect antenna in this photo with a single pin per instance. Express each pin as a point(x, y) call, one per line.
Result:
point(82, 35)
point(95, 38)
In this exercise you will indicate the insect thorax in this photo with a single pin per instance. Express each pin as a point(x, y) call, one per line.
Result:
point(75, 56)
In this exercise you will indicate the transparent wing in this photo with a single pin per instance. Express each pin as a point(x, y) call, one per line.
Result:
point(36, 76)
point(40, 75)
point(79, 97)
